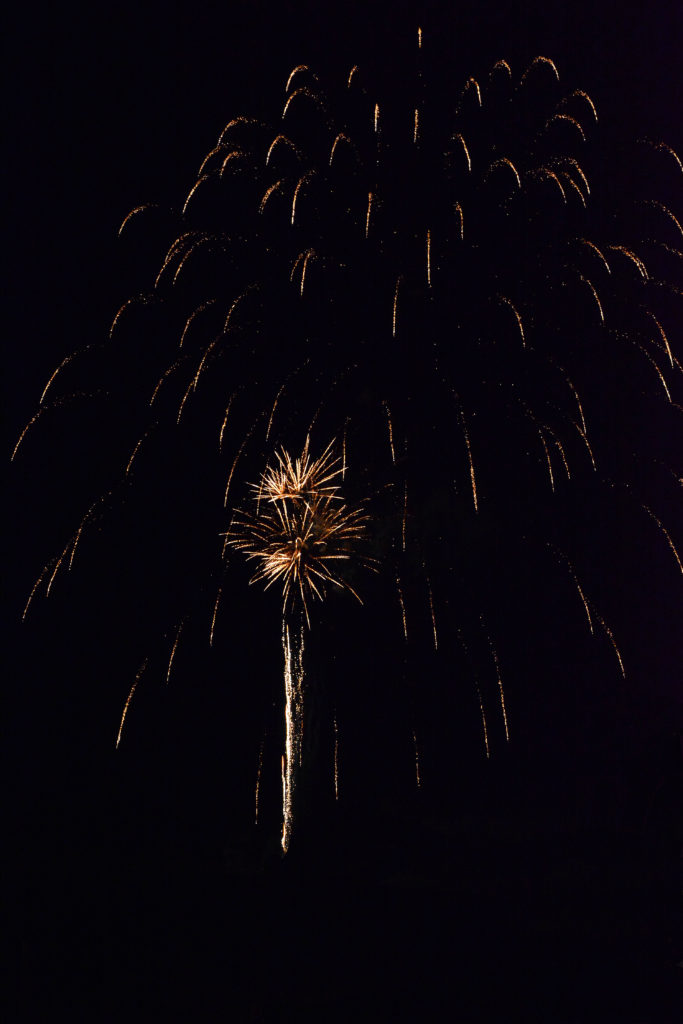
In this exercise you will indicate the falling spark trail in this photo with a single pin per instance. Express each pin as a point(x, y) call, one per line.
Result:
point(398, 281)
point(137, 448)
point(429, 259)
point(128, 700)
point(336, 757)
point(215, 613)
point(258, 779)
point(431, 609)
point(610, 635)
point(418, 781)
point(501, 693)
point(506, 301)
point(175, 646)
point(225, 421)
point(40, 579)
point(471, 462)
point(61, 366)
point(391, 433)
point(403, 608)
point(665, 532)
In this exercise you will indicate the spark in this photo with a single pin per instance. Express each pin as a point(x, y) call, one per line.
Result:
point(61, 366)
point(191, 318)
point(593, 247)
point(393, 322)
point(655, 367)
point(128, 700)
point(134, 212)
point(272, 411)
point(584, 96)
point(295, 71)
point(220, 148)
point(236, 122)
point(200, 181)
point(458, 209)
point(570, 181)
point(405, 516)
point(376, 117)
point(629, 254)
point(665, 210)
point(340, 137)
point(507, 302)
point(541, 60)
point(470, 460)
point(499, 678)
point(417, 761)
point(663, 336)
point(40, 579)
point(545, 172)
point(472, 83)
point(663, 147)
point(391, 432)
point(574, 577)
point(294, 707)
point(215, 615)
point(302, 180)
point(504, 162)
point(416, 125)
point(276, 187)
point(547, 455)
point(367, 215)
point(336, 757)
point(234, 155)
point(142, 299)
point(403, 608)
point(343, 466)
point(137, 448)
point(190, 387)
point(419, 38)
point(354, 70)
point(466, 151)
point(301, 91)
point(610, 635)
point(666, 533)
point(65, 399)
point(431, 609)
point(173, 650)
point(503, 64)
point(594, 294)
point(429, 259)
point(286, 142)
point(167, 373)
point(569, 120)
point(258, 780)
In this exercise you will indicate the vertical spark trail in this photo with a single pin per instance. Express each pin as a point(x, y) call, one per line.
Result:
point(429, 259)
point(258, 780)
point(336, 758)
point(405, 516)
point(391, 433)
point(431, 609)
point(393, 320)
point(471, 462)
point(403, 607)
point(483, 719)
point(499, 678)
point(294, 722)
point(367, 215)
point(215, 613)
point(418, 780)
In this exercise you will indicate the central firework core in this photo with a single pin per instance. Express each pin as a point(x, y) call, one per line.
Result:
point(304, 536)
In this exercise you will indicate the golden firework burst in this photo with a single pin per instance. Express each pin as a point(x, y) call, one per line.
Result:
point(300, 530)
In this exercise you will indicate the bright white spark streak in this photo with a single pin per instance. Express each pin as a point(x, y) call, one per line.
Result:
point(294, 712)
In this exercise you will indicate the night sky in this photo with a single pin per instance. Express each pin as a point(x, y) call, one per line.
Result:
point(543, 881)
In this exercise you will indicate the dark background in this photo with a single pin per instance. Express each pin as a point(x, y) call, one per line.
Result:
point(544, 882)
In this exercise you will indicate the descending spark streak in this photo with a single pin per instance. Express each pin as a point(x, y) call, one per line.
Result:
point(403, 607)
point(35, 587)
point(295, 71)
point(470, 460)
point(466, 151)
point(429, 259)
point(336, 757)
point(44, 408)
point(416, 125)
point(569, 120)
point(501, 693)
point(173, 650)
point(504, 161)
point(431, 609)
point(258, 780)
point(128, 700)
point(225, 421)
point(214, 616)
point(665, 209)
point(663, 337)
point(137, 448)
point(393, 322)
point(352, 72)
point(504, 299)
point(376, 117)
point(593, 246)
point(367, 215)
point(294, 710)
point(629, 254)
point(665, 532)
point(483, 719)
point(418, 780)
point(610, 635)
point(458, 209)
point(303, 179)
point(391, 432)
point(595, 295)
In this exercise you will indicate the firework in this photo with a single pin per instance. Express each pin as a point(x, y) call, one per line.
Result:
point(440, 280)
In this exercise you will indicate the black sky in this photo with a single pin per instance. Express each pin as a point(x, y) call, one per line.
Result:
point(110, 108)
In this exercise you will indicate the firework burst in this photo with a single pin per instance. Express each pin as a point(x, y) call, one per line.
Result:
point(450, 282)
